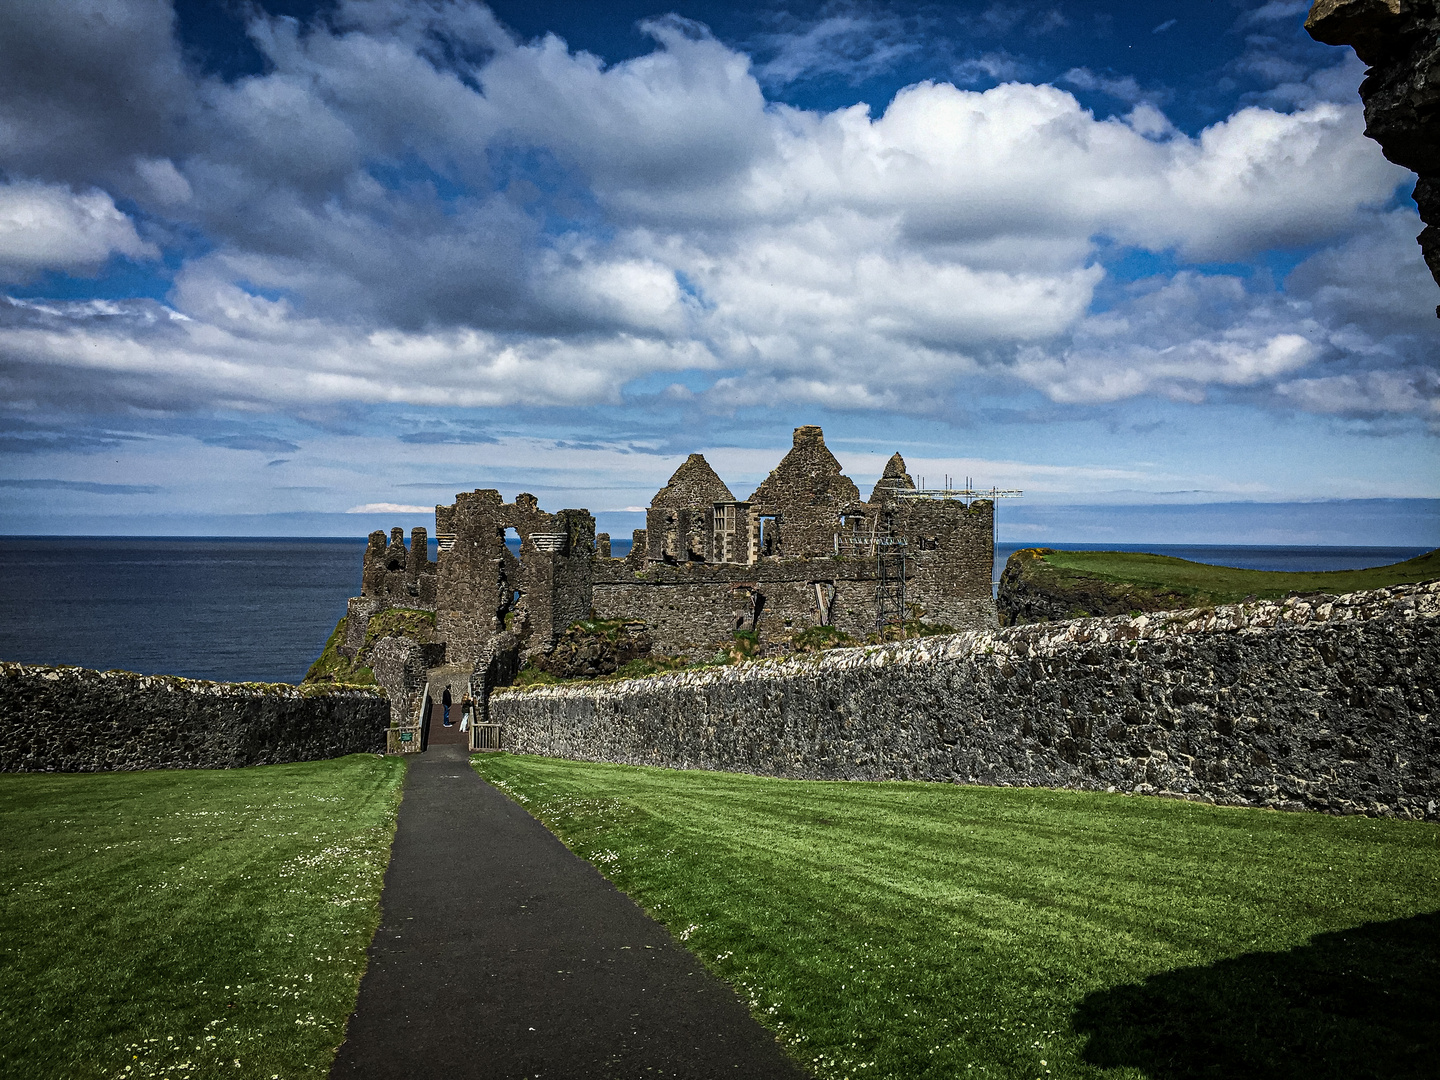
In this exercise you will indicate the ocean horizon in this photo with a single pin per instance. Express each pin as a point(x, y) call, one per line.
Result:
point(260, 609)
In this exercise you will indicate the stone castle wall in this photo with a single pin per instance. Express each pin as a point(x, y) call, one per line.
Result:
point(690, 608)
point(1296, 705)
point(70, 719)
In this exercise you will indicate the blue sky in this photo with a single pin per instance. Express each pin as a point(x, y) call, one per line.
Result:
point(310, 268)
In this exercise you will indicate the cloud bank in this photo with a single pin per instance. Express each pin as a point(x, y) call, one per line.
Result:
point(409, 205)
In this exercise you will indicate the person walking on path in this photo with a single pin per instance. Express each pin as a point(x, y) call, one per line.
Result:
point(445, 703)
point(502, 955)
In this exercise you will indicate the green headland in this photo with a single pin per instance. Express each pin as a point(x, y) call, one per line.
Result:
point(1043, 584)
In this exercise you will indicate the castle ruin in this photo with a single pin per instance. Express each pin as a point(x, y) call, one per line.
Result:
point(804, 550)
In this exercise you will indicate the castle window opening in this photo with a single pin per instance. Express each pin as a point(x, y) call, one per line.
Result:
point(726, 523)
point(757, 605)
point(824, 601)
point(513, 541)
point(769, 534)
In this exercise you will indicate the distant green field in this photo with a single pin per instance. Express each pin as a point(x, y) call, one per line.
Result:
point(1226, 585)
point(925, 931)
point(188, 923)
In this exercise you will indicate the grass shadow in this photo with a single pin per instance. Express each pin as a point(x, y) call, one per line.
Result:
point(1352, 1003)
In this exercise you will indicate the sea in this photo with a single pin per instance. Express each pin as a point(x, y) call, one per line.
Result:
point(242, 609)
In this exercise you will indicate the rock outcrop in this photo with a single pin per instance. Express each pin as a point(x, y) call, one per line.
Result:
point(594, 648)
point(1032, 590)
point(1400, 41)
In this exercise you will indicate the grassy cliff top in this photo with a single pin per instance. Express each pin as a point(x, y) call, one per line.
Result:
point(1226, 584)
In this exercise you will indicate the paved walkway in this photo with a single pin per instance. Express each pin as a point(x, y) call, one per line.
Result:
point(502, 955)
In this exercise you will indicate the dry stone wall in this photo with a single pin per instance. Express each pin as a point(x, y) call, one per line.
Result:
point(1295, 705)
point(70, 719)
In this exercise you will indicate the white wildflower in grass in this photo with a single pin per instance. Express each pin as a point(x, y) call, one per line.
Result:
point(247, 905)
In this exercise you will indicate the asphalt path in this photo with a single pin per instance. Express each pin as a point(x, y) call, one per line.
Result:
point(502, 955)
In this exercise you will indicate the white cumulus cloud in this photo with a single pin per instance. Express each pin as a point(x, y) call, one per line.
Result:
point(411, 205)
point(50, 227)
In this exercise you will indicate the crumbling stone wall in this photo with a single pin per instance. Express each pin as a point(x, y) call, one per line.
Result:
point(690, 610)
point(1330, 706)
point(400, 666)
point(358, 612)
point(397, 576)
point(678, 523)
point(808, 492)
point(1400, 41)
point(483, 588)
point(70, 719)
point(893, 479)
point(823, 570)
point(950, 558)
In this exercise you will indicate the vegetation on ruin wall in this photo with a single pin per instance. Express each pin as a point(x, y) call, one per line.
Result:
point(1041, 584)
point(188, 923)
point(917, 931)
point(332, 666)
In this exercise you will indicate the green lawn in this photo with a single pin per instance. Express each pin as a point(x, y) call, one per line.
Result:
point(1226, 585)
point(915, 930)
point(174, 923)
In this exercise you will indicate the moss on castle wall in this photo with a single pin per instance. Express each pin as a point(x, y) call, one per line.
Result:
point(333, 666)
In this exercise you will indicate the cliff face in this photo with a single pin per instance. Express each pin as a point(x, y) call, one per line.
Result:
point(1400, 40)
point(1033, 591)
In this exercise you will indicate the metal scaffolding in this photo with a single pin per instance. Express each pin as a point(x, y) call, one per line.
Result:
point(890, 584)
point(890, 570)
point(965, 494)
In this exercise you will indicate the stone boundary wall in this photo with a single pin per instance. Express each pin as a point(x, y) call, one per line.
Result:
point(71, 719)
point(1307, 704)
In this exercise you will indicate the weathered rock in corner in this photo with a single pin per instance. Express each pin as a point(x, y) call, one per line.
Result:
point(594, 648)
point(1400, 41)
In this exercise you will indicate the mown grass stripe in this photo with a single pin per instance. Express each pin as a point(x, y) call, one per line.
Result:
point(173, 923)
point(929, 930)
